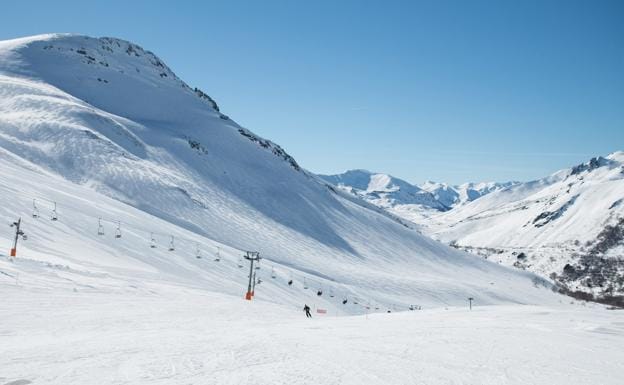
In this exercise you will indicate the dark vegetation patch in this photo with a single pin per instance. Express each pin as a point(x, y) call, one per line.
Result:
point(593, 164)
point(275, 149)
point(549, 216)
point(203, 95)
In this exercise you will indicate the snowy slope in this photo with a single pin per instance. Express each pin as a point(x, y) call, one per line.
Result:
point(105, 129)
point(573, 217)
point(188, 336)
point(572, 220)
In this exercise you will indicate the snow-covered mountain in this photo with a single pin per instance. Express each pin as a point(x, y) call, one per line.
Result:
point(569, 225)
point(383, 190)
point(101, 134)
point(452, 196)
point(406, 200)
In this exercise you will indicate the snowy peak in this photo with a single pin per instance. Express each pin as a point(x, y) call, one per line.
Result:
point(388, 191)
point(468, 192)
point(129, 81)
point(445, 194)
point(609, 162)
point(382, 189)
point(617, 156)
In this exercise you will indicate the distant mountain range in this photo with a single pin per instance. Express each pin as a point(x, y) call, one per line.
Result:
point(408, 200)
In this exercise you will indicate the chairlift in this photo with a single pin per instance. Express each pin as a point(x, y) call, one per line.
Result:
point(331, 293)
point(197, 251)
point(100, 227)
point(118, 230)
point(171, 244)
point(305, 284)
point(240, 263)
point(35, 213)
point(218, 255)
point(273, 273)
point(152, 241)
point(54, 216)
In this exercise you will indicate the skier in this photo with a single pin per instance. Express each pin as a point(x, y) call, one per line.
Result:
point(306, 308)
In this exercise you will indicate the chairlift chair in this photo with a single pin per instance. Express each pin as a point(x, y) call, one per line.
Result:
point(152, 241)
point(273, 273)
point(54, 216)
point(171, 244)
point(197, 252)
point(218, 255)
point(35, 213)
point(100, 227)
point(118, 231)
point(305, 284)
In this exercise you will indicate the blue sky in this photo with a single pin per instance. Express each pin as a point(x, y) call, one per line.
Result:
point(442, 90)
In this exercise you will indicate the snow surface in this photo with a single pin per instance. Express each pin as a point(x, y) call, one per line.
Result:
point(174, 335)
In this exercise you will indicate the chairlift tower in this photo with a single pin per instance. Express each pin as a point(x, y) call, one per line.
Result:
point(251, 256)
point(18, 233)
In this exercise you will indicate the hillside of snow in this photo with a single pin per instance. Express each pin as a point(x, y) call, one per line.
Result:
point(103, 128)
point(569, 225)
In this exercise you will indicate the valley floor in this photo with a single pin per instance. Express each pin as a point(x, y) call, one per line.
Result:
point(174, 335)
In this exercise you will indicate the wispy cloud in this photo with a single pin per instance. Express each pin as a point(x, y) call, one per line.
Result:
point(503, 153)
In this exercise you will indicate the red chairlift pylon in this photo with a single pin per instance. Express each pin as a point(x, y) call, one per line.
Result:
point(18, 233)
point(251, 256)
